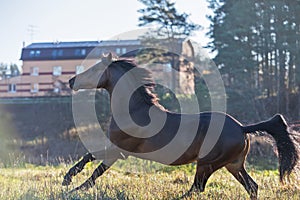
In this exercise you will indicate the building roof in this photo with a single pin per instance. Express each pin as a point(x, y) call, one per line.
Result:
point(82, 44)
point(92, 49)
point(76, 50)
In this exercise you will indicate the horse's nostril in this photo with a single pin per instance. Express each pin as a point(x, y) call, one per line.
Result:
point(71, 82)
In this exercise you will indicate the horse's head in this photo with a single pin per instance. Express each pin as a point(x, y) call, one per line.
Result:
point(94, 77)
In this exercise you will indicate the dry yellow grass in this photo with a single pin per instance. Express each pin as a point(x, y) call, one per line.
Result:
point(34, 182)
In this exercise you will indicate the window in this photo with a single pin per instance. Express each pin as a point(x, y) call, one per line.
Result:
point(167, 67)
point(57, 70)
point(57, 86)
point(57, 53)
point(118, 51)
point(124, 50)
point(54, 53)
point(60, 52)
point(80, 52)
point(12, 88)
point(34, 87)
point(34, 71)
point(37, 53)
point(56, 90)
point(34, 53)
point(79, 69)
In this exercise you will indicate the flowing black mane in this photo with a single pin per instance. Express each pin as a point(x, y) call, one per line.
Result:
point(143, 77)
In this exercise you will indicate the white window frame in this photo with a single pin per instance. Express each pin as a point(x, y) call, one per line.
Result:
point(83, 52)
point(57, 70)
point(34, 87)
point(167, 67)
point(35, 53)
point(34, 71)
point(32, 53)
point(80, 52)
point(56, 90)
point(12, 88)
point(79, 69)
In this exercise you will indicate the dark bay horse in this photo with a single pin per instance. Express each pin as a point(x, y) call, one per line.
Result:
point(178, 138)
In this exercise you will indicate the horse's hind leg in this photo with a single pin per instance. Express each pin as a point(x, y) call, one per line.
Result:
point(243, 177)
point(237, 169)
point(78, 167)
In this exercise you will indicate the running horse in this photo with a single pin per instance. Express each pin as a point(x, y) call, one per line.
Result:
point(229, 151)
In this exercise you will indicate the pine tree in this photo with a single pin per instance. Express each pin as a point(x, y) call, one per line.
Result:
point(172, 28)
point(171, 23)
point(257, 46)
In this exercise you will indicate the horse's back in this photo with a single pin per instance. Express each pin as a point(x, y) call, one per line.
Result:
point(218, 137)
point(224, 136)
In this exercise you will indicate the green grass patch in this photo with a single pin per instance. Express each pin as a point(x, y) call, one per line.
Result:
point(136, 179)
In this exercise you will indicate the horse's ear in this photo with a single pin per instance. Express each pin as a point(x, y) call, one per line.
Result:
point(110, 56)
point(107, 59)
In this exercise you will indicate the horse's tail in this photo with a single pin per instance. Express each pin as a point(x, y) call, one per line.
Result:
point(287, 149)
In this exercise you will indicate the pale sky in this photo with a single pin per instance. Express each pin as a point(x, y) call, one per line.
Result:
point(76, 20)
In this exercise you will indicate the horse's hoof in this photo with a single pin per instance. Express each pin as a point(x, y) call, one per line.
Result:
point(85, 186)
point(186, 195)
point(67, 180)
point(191, 192)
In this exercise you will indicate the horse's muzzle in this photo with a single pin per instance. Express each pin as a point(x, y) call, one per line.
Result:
point(71, 82)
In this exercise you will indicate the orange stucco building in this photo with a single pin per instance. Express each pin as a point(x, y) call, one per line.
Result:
point(47, 67)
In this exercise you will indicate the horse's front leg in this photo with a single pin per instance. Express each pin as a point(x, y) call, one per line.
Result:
point(78, 167)
point(90, 182)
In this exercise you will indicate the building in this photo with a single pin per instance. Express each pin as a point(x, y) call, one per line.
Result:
point(47, 67)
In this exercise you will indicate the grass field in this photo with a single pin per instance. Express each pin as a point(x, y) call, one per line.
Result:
point(136, 179)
